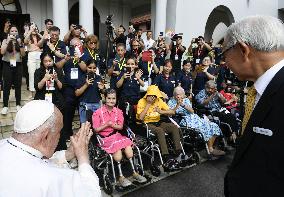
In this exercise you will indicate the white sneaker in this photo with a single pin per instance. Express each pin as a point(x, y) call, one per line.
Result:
point(4, 110)
point(18, 107)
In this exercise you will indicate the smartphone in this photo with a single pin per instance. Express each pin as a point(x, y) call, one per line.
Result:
point(128, 69)
point(90, 75)
point(147, 56)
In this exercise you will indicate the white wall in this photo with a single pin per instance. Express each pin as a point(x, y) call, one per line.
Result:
point(192, 24)
point(280, 4)
point(219, 32)
point(39, 10)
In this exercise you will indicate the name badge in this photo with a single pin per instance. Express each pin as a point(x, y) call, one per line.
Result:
point(48, 97)
point(262, 131)
point(74, 73)
point(50, 85)
point(176, 57)
point(197, 61)
point(13, 62)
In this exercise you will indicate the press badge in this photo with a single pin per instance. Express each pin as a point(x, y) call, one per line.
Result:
point(197, 61)
point(13, 62)
point(48, 97)
point(74, 73)
point(176, 57)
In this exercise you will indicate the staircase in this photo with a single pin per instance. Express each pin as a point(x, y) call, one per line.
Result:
point(7, 121)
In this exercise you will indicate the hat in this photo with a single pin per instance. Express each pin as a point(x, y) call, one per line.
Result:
point(32, 115)
point(153, 90)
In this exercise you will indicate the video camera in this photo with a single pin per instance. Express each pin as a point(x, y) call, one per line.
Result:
point(109, 25)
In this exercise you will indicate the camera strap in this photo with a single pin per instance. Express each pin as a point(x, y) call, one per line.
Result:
point(150, 66)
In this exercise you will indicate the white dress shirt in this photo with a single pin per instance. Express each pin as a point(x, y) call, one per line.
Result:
point(262, 82)
point(23, 172)
point(148, 43)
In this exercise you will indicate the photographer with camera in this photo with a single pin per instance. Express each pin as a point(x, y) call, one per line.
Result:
point(49, 81)
point(129, 81)
point(75, 31)
point(91, 51)
point(116, 65)
point(12, 49)
point(201, 74)
point(50, 43)
point(48, 24)
point(89, 88)
point(32, 37)
point(199, 49)
point(130, 37)
point(149, 67)
point(138, 35)
point(120, 37)
point(135, 50)
point(161, 53)
point(177, 51)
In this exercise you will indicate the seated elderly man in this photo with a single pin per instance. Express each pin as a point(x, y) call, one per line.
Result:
point(209, 130)
point(28, 164)
point(149, 110)
point(213, 100)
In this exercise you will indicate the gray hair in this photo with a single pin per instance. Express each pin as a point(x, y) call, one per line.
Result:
point(178, 88)
point(210, 84)
point(263, 33)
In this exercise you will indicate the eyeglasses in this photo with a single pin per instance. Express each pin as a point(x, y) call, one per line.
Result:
point(135, 45)
point(92, 43)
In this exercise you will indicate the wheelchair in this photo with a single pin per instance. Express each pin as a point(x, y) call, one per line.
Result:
point(103, 163)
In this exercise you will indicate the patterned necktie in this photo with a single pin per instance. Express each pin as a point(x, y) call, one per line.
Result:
point(249, 106)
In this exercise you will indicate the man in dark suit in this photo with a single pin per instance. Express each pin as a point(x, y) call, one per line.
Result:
point(254, 51)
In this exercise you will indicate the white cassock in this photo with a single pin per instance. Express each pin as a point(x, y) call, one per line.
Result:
point(24, 173)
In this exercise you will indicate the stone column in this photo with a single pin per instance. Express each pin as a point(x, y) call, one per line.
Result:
point(61, 16)
point(161, 16)
point(86, 18)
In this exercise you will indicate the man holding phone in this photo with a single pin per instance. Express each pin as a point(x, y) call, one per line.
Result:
point(117, 64)
point(177, 51)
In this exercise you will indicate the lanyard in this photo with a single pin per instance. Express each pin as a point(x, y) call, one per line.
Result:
point(149, 67)
point(56, 45)
point(23, 149)
point(92, 54)
point(120, 65)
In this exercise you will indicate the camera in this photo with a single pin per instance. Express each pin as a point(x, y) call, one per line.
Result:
point(50, 70)
point(77, 26)
point(109, 19)
point(110, 26)
point(176, 36)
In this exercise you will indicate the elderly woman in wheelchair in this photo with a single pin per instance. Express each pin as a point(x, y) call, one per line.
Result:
point(183, 107)
point(108, 122)
point(149, 110)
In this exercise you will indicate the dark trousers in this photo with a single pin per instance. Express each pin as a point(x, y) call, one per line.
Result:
point(160, 132)
point(1, 74)
point(25, 69)
point(71, 103)
point(12, 75)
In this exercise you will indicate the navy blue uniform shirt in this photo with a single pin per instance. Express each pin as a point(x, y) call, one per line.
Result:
point(92, 93)
point(166, 84)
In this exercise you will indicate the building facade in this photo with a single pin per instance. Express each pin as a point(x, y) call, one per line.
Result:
point(192, 18)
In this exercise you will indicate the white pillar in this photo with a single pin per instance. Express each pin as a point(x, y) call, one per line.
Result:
point(161, 16)
point(61, 16)
point(86, 18)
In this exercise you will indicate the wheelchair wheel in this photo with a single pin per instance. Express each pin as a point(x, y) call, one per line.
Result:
point(92, 154)
point(107, 185)
point(196, 157)
point(155, 170)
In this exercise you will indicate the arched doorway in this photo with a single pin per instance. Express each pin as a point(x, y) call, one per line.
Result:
point(219, 15)
point(12, 10)
point(74, 17)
